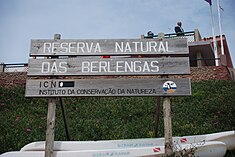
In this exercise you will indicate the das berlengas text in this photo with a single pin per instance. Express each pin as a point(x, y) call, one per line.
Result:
point(120, 66)
point(104, 66)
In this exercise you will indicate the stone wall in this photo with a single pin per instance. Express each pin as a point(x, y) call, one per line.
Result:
point(209, 72)
point(9, 79)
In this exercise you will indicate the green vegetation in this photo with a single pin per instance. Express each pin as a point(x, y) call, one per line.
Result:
point(211, 108)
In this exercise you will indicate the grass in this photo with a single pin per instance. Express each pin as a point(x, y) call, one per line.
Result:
point(211, 108)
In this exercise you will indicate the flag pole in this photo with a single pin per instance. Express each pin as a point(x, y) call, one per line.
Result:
point(220, 28)
point(214, 39)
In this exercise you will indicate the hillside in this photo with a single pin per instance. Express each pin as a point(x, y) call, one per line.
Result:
point(211, 108)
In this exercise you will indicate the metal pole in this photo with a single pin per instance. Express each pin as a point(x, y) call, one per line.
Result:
point(157, 116)
point(64, 118)
point(220, 28)
point(214, 39)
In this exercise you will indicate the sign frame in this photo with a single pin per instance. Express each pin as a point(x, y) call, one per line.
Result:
point(127, 47)
point(99, 47)
point(116, 87)
point(109, 66)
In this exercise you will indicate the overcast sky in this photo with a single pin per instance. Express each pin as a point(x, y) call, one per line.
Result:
point(23, 20)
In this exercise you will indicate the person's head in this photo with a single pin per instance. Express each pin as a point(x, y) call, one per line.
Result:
point(150, 33)
point(179, 23)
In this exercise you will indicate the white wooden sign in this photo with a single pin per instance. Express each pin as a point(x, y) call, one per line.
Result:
point(58, 48)
point(97, 47)
point(108, 87)
point(108, 66)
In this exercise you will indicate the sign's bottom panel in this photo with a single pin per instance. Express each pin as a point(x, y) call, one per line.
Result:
point(108, 87)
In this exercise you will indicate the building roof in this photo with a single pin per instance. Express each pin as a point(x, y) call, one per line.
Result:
point(226, 59)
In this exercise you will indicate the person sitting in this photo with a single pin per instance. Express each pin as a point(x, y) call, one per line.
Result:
point(150, 34)
point(178, 29)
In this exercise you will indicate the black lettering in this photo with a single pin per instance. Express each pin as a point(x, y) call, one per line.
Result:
point(45, 84)
point(53, 84)
point(71, 91)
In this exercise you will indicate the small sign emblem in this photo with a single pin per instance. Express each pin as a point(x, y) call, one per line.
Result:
point(63, 84)
point(169, 87)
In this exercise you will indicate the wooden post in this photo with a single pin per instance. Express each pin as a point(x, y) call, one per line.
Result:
point(199, 61)
point(158, 102)
point(167, 126)
point(49, 145)
point(1, 67)
point(197, 35)
point(167, 119)
point(161, 35)
point(50, 128)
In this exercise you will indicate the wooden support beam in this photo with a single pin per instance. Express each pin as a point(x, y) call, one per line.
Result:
point(1, 67)
point(167, 119)
point(167, 126)
point(50, 128)
point(49, 145)
point(199, 61)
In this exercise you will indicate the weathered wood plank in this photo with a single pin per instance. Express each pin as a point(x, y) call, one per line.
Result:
point(98, 47)
point(108, 87)
point(50, 132)
point(108, 66)
point(49, 145)
point(167, 125)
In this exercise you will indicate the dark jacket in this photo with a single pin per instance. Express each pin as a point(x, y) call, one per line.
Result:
point(179, 30)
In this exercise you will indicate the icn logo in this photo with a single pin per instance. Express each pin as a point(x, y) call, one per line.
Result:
point(64, 84)
point(169, 87)
point(61, 84)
